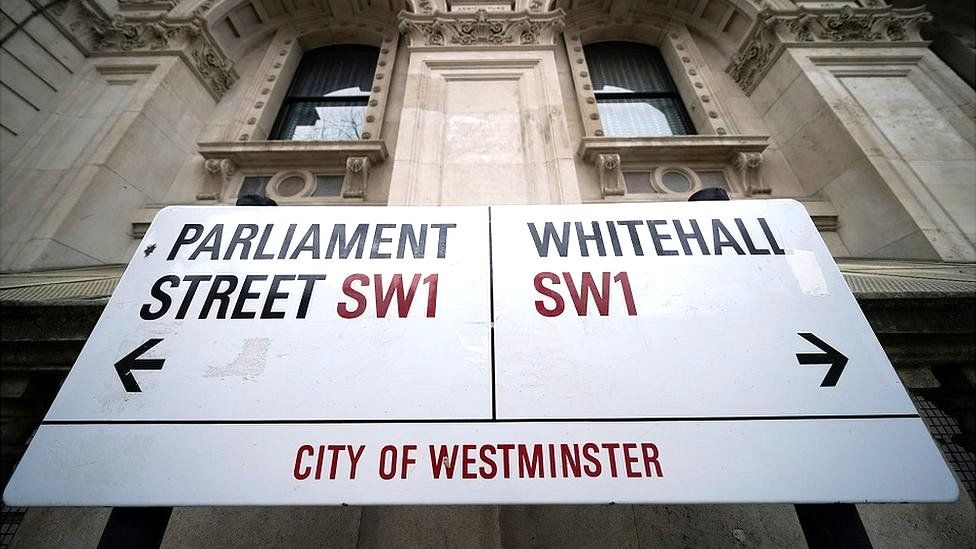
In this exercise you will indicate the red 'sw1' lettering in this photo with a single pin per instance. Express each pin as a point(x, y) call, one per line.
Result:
point(580, 295)
point(384, 295)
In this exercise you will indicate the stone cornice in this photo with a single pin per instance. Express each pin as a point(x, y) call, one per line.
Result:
point(678, 148)
point(775, 30)
point(481, 28)
point(98, 34)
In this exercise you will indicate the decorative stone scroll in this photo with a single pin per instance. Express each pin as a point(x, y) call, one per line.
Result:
point(221, 167)
point(805, 27)
point(481, 28)
point(100, 35)
point(610, 174)
point(356, 178)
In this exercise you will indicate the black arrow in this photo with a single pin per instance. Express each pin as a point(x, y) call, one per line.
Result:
point(830, 356)
point(132, 361)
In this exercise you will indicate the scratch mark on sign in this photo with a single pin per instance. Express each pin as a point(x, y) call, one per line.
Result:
point(478, 352)
point(248, 364)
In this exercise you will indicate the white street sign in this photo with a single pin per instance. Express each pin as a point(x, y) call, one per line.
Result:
point(682, 352)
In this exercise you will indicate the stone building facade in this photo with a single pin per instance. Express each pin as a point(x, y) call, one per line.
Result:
point(862, 110)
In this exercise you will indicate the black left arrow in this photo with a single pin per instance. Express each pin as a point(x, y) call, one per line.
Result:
point(830, 356)
point(132, 361)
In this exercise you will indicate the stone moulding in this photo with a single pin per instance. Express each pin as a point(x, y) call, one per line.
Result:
point(775, 30)
point(97, 34)
point(291, 154)
point(481, 28)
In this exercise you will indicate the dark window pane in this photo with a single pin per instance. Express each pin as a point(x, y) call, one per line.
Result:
point(643, 117)
point(255, 184)
point(713, 179)
point(335, 71)
point(327, 185)
point(321, 121)
point(627, 67)
point(638, 182)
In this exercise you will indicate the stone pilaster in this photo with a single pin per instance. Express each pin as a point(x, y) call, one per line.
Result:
point(847, 93)
point(483, 119)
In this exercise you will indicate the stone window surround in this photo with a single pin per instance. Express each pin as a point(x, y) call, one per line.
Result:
point(717, 146)
point(251, 153)
point(231, 161)
point(738, 157)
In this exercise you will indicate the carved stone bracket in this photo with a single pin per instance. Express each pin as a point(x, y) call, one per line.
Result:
point(748, 165)
point(775, 30)
point(356, 178)
point(610, 174)
point(481, 28)
point(220, 172)
point(97, 34)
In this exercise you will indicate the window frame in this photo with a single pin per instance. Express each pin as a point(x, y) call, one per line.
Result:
point(361, 99)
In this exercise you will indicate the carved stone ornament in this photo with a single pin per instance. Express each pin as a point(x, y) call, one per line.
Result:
point(481, 28)
point(748, 164)
point(357, 176)
point(220, 167)
point(775, 30)
point(186, 37)
point(611, 177)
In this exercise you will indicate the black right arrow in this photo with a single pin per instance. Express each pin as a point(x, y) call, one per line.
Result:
point(830, 356)
point(132, 361)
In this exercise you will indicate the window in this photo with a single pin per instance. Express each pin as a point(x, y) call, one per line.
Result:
point(634, 92)
point(327, 98)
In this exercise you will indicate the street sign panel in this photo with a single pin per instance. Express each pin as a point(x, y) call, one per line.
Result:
point(692, 352)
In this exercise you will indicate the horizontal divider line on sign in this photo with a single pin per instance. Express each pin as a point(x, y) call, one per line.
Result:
point(465, 420)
